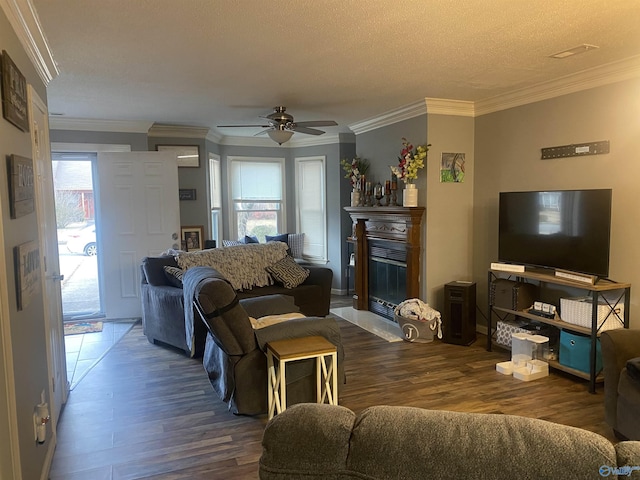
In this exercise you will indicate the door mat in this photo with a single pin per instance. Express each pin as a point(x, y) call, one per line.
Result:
point(74, 328)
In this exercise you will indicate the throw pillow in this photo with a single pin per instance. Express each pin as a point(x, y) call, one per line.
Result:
point(231, 243)
point(288, 272)
point(174, 276)
point(296, 244)
point(284, 238)
point(248, 239)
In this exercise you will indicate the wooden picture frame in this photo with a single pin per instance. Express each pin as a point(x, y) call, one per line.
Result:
point(27, 266)
point(188, 155)
point(14, 94)
point(192, 238)
point(21, 186)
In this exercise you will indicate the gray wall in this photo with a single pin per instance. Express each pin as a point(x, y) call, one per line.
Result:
point(138, 141)
point(507, 156)
point(26, 327)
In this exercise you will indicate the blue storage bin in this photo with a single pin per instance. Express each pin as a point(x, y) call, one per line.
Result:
point(575, 349)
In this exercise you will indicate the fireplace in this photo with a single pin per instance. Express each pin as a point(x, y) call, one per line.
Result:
point(387, 276)
point(387, 252)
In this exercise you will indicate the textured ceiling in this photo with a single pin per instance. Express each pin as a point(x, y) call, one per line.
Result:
point(206, 63)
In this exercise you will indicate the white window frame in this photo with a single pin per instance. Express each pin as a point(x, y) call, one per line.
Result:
point(281, 223)
point(301, 196)
point(215, 198)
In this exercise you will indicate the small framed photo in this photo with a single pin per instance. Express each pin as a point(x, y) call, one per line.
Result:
point(187, 193)
point(188, 155)
point(192, 238)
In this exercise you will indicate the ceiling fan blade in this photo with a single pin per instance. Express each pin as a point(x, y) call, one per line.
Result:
point(317, 123)
point(308, 131)
point(241, 126)
point(263, 132)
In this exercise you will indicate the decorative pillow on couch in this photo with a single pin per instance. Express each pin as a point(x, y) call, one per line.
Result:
point(174, 276)
point(296, 244)
point(231, 243)
point(288, 272)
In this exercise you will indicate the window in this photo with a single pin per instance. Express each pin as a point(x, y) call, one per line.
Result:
point(215, 197)
point(311, 218)
point(257, 196)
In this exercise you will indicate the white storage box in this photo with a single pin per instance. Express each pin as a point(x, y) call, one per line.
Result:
point(578, 311)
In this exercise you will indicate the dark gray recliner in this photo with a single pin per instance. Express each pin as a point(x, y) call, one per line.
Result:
point(621, 389)
point(234, 355)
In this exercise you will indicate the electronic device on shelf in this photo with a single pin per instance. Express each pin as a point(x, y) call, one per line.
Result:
point(541, 309)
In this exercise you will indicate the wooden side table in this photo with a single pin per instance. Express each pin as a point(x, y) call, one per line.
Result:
point(282, 351)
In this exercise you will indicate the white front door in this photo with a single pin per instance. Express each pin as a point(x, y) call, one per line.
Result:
point(48, 234)
point(138, 216)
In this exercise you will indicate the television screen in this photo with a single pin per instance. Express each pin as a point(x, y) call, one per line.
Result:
point(565, 229)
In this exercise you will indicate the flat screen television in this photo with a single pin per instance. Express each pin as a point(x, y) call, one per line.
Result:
point(562, 229)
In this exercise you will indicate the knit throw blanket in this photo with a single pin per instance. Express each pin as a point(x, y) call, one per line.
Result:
point(243, 265)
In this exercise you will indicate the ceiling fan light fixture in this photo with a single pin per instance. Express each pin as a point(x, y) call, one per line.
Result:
point(280, 136)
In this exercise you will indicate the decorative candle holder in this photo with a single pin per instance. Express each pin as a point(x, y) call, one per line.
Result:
point(378, 194)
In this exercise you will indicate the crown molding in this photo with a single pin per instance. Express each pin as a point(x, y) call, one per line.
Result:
point(95, 125)
point(594, 77)
point(25, 22)
point(177, 131)
point(443, 106)
point(393, 116)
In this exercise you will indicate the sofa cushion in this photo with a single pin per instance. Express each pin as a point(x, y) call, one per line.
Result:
point(288, 272)
point(174, 275)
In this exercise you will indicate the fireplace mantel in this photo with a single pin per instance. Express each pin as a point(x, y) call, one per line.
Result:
point(400, 225)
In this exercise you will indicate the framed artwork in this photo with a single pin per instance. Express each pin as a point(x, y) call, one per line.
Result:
point(14, 94)
point(187, 193)
point(27, 264)
point(192, 238)
point(452, 168)
point(188, 155)
point(21, 186)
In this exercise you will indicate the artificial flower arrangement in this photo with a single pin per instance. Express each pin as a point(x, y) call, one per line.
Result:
point(410, 160)
point(356, 169)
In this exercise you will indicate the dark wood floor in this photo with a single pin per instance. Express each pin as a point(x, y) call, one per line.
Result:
point(149, 412)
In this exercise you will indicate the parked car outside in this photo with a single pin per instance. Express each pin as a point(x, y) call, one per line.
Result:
point(83, 241)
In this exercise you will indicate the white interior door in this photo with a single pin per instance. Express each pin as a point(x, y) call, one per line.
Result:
point(45, 205)
point(138, 216)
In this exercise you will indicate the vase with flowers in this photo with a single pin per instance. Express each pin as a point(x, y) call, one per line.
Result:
point(355, 171)
point(411, 159)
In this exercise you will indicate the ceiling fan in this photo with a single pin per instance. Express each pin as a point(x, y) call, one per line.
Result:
point(280, 125)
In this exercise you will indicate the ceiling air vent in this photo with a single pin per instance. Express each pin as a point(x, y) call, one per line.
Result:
point(574, 51)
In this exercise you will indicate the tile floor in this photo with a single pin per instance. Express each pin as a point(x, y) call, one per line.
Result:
point(85, 350)
point(369, 321)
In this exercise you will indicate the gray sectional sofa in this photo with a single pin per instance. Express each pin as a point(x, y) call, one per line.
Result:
point(163, 314)
point(313, 441)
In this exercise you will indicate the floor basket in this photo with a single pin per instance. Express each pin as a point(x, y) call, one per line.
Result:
point(416, 331)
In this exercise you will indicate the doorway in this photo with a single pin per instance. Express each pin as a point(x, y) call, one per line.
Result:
point(79, 251)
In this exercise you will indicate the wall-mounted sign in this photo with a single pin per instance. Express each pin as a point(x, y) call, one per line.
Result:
point(27, 263)
point(21, 186)
point(187, 193)
point(14, 94)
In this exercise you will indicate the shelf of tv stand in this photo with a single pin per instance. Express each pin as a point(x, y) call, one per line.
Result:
point(556, 322)
point(558, 366)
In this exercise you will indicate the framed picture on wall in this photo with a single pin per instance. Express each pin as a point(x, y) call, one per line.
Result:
point(27, 266)
point(192, 238)
point(188, 155)
point(14, 94)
